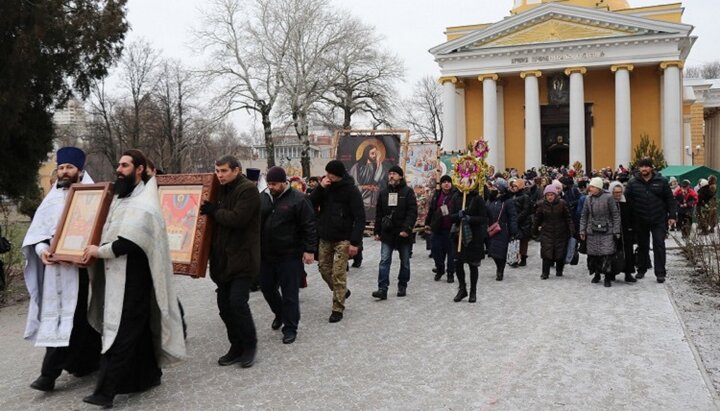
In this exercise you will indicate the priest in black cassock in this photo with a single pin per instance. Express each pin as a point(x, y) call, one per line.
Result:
point(133, 301)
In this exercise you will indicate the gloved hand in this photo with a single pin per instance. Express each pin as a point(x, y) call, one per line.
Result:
point(461, 214)
point(208, 208)
point(466, 218)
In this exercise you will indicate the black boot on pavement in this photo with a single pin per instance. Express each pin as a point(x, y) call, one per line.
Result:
point(640, 275)
point(380, 294)
point(461, 294)
point(499, 276)
point(596, 279)
point(473, 295)
point(450, 278)
point(523, 261)
point(438, 276)
point(247, 359)
point(232, 356)
point(661, 279)
point(43, 383)
point(544, 276)
point(402, 291)
point(335, 317)
point(99, 400)
point(608, 280)
point(276, 324)
point(629, 278)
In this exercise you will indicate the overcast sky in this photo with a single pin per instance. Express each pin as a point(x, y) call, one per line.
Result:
point(410, 27)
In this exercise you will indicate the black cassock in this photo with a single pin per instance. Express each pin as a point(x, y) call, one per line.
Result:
point(82, 355)
point(130, 364)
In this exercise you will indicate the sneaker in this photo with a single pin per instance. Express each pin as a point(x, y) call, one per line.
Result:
point(289, 338)
point(381, 294)
point(43, 384)
point(335, 316)
point(99, 400)
point(230, 358)
point(247, 359)
point(402, 291)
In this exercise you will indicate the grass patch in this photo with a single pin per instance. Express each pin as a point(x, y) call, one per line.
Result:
point(13, 263)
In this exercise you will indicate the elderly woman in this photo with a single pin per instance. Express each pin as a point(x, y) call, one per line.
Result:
point(501, 210)
point(553, 221)
point(600, 227)
point(628, 236)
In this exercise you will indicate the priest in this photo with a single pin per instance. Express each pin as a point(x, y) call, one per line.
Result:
point(57, 316)
point(133, 301)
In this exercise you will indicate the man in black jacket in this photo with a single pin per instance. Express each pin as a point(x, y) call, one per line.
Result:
point(340, 225)
point(653, 207)
point(439, 223)
point(395, 217)
point(235, 256)
point(288, 241)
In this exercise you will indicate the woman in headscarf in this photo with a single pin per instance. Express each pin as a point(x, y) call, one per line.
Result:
point(628, 236)
point(553, 222)
point(471, 225)
point(501, 210)
point(707, 206)
point(600, 227)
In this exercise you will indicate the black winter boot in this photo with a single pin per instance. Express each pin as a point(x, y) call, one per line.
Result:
point(596, 279)
point(473, 286)
point(608, 280)
point(461, 294)
point(629, 278)
point(380, 294)
point(523, 261)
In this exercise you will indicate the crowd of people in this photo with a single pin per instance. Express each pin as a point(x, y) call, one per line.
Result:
point(117, 311)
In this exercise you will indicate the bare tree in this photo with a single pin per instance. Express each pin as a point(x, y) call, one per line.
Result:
point(138, 63)
point(247, 42)
point(105, 139)
point(423, 111)
point(709, 70)
point(317, 34)
point(365, 78)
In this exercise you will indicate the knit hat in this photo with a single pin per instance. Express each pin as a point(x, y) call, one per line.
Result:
point(703, 182)
point(71, 155)
point(397, 169)
point(336, 168)
point(501, 184)
point(550, 189)
point(253, 174)
point(445, 178)
point(596, 182)
point(276, 175)
point(645, 162)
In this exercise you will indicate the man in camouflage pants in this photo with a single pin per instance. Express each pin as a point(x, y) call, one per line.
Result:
point(341, 222)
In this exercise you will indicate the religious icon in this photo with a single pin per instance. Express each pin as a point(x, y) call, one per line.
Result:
point(421, 163)
point(82, 221)
point(189, 233)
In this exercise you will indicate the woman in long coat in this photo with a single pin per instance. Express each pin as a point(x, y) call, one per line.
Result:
point(600, 226)
point(553, 222)
point(472, 250)
point(628, 235)
point(500, 208)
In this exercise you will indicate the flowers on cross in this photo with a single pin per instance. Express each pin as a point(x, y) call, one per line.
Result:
point(481, 148)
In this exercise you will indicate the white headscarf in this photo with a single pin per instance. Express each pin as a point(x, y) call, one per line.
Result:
point(618, 184)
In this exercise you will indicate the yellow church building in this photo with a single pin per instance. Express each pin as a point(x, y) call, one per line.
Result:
point(573, 80)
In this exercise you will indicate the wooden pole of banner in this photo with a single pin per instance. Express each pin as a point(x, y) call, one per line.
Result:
point(460, 233)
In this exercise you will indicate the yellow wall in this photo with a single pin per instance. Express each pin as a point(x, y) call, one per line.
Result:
point(697, 125)
point(645, 96)
point(473, 109)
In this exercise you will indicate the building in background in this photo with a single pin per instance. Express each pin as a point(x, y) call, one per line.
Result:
point(574, 80)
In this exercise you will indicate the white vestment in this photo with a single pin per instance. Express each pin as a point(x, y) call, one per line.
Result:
point(54, 288)
point(137, 218)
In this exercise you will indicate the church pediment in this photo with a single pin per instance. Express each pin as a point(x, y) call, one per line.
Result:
point(556, 23)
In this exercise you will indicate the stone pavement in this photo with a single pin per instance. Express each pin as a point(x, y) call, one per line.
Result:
point(563, 343)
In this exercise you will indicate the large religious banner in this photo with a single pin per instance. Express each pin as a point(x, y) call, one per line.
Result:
point(368, 155)
point(422, 173)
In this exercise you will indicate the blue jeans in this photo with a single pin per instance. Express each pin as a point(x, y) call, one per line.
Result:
point(386, 252)
point(442, 250)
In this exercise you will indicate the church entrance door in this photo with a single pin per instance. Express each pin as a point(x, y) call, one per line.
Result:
point(555, 134)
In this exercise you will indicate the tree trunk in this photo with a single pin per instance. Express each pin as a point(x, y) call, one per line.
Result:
point(300, 121)
point(267, 129)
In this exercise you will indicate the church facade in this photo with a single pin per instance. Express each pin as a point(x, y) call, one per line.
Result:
point(567, 81)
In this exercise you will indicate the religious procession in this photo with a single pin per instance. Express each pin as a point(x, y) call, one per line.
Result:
point(102, 297)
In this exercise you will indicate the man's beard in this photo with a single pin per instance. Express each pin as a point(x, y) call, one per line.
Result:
point(66, 181)
point(124, 186)
point(394, 182)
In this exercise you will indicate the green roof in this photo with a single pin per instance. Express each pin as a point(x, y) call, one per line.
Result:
point(692, 173)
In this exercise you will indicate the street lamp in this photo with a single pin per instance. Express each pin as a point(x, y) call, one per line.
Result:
point(692, 153)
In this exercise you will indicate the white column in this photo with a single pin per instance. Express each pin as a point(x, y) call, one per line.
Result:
point(623, 115)
point(533, 146)
point(577, 115)
point(490, 127)
point(449, 142)
point(501, 128)
point(672, 137)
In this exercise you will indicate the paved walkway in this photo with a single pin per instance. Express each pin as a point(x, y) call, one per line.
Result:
point(526, 344)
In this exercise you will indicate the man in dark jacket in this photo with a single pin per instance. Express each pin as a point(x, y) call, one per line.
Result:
point(288, 241)
point(653, 209)
point(235, 256)
point(439, 223)
point(395, 217)
point(340, 225)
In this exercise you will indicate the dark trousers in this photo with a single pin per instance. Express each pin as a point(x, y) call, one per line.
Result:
point(232, 300)
point(547, 263)
point(282, 274)
point(442, 251)
point(643, 232)
point(500, 264)
point(460, 272)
